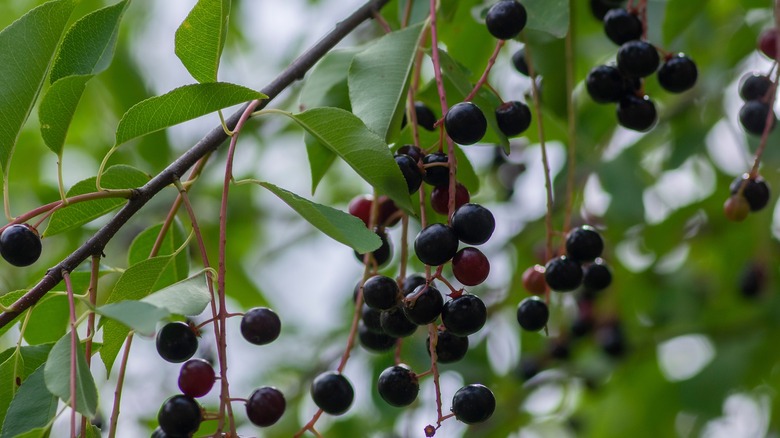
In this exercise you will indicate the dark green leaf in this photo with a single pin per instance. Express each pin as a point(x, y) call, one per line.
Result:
point(32, 407)
point(549, 16)
point(57, 374)
point(201, 37)
point(143, 243)
point(48, 321)
point(57, 108)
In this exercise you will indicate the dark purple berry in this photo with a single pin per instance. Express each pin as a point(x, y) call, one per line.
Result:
point(176, 342)
point(424, 305)
point(411, 282)
point(753, 116)
point(506, 19)
point(755, 192)
point(532, 314)
point(395, 323)
point(596, 276)
point(752, 280)
point(332, 393)
point(599, 8)
point(373, 341)
point(411, 171)
point(265, 406)
point(470, 266)
point(584, 244)
point(465, 123)
point(20, 245)
point(473, 224)
point(754, 87)
point(636, 113)
point(638, 59)
point(449, 347)
point(439, 174)
point(563, 274)
point(464, 315)
point(473, 404)
point(158, 433)
point(513, 118)
point(606, 84)
point(196, 378)
point(611, 339)
point(440, 198)
point(425, 116)
point(622, 26)
point(436, 244)
point(180, 415)
point(381, 292)
point(518, 60)
point(412, 151)
point(398, 386)
point(678, 74)
point(370, 318)
point(767, 42)
point(260, 326)
point(382, 254)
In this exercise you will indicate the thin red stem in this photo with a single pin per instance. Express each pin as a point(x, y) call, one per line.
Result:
point(483, 79)
point(74, 348)
point(119, 386)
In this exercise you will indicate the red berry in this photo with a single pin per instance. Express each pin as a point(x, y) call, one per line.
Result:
point(470, 266)
point(265, 406)
point(440, 197)
point(196, 378)
point(767, 42)
point(360, 207)
point(533, 280)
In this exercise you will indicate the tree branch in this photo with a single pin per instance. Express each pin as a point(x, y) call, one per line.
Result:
point(94, 246)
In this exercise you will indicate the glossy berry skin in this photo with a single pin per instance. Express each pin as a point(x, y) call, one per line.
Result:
point(473, 224)
point(755, 192)
point(753, 116)
point(506, 19)
point(637, 59)
point(767, 43)
point(176, 342)
point(332, 393)
point(424, 305)
point(436, 244)
point(411, 282)
point(425, 117)
point(180, 415)
point(382, 254)
point(533, 280)
point(260, 326)
point(265, 406)
point(449, 347)
point(376, 342)
point(465, 123)
point(532, 314)
point(436, 175)
point(411, 172)
point(470, 266)
point(599, 8)
point(605, 84)
point(360, 207)
point(395, 323)
point(584, 244)
point(678, 74)
point(158, 433)
point(513, 118)
point(398, 386)
point(754, 87)
point(370, 318)
point(381, 292)
point(636, 113)
point(622, 26)
point(20, 245)
point(196, 378)
point(596, 276)
point(736, 208)
point(464, 315)
point(440, 198)
point(563, 274)
point(473, 404)
point(518, 60)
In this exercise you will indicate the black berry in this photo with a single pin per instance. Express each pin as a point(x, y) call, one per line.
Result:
point(637, 59)
point(180, 415)
point(424, 305)
point(382, 254)
point(754, 87)
point(196, 378)
point(473, 404)
point(464, 315)
point(563, 274)
point(756, 191)
point(411, 282)
point(532, 314)
point(611, 339)
point(411, 171)
point(465, 123)
point(381, 292)
point(265, 406)
point(473, 224)
point(20, 245)
point(449, 347)
point(596, 276)
point(470, 266)
point(373, 341)
point(398, 386)
point(370, 318)
point(637, 113)
point(436, 244)
point(332, 392)
point(607, 84)
point(506, 19)
point(412, 151)
point(176, 342)
point(513, 118)
point(396, 324)
point(425, 116)
point(599, 8)
point(518, 60)
point(753, 116)
point(584, 244)
point(678, 74)
point(260, 326)
point(622, 26)
point(437, 173)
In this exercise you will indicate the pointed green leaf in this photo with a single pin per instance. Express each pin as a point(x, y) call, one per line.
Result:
point(466, 174)
point(15, 366)
point(187, 297)
point(549, 16)
point(57, 375)
point(378, 80)
point(342, 227)
point(57, 108)
point(32, 407)
point(23, 71)
point(8, 299)
point(48, 321)
point(347, 136)
point(141, 248)
point(89, 44)
point(320, 159)
point(201, 37)
point(179, 105)
point(136, 315)
point(76, 215)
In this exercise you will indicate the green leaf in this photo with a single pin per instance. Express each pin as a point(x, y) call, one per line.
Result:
point(179, 105)
point(320, 159)
point(76, 215)
point(347, 136)
point(201, 37)
point(48, 321)
point(23, 71)
point(466, 174)
point(141, 248)
point(187, 297)
point(57, 375)
point(89, 44)
point(678, 17)
point(15, 366)
point(378, 80)
point(137, 315)
point(342, 227)
point(93, 431)
point(32, 407)
point(40, 432)
point(57, 108)
point(7, 300)
point(549, 16)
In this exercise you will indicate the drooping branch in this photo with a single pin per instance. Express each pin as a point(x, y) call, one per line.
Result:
point(210, 142)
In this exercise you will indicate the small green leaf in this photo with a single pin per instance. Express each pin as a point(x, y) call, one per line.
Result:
point(187, 297)
point(340, 226)
point(48, 321)
point(347, 136)
point(23, 71)
point(76, 215)
point(201, 37)
point(137, 315)
point(57, 375)
point(32, 407)
point(179, 105)
point(549, 16)
point(141, 248)
point(57, 108)
point(378, 80)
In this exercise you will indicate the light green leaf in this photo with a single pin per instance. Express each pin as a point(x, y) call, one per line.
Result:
point(137, 315)
point(466, 174)
point(179, 105)
point(89, 44)
point(320, 159)
point(48, 321)
point(187, 297)
point(549, 16)
point(201, 37)
point(378, 80)
point(40, 432)
point(57, 108)
point(679, 16)
point(342, 227)
point(93, 431)
point(141, 248)
point(57, 375)
point(76, 215)
point(347, 136)
point(23, 71)
point(10, 377)
point(32, 408)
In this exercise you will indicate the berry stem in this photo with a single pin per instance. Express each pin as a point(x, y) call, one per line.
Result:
point(74, 348)
point(437, 69)
point(770, 117)
point(572, 121)
point(407, 13)
point(92, 291)
point(119, 385)
point(398, 346)
point(404, 247)
point(433, 335)
point(381, 21)
point(483, 79)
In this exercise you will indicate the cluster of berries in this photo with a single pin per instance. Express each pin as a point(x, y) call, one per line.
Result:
point(755, 92)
